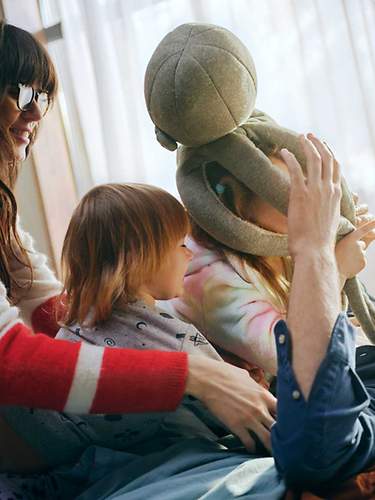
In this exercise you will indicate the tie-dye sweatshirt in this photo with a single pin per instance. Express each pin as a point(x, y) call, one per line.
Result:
point(230, 305)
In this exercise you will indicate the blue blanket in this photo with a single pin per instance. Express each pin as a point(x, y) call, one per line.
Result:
point(191, 469)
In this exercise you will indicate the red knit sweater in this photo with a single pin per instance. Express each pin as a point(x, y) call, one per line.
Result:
point(38, 371)
point(42, 372)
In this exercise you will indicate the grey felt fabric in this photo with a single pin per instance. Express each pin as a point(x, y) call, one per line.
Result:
point(200, 89)
point(226, 92)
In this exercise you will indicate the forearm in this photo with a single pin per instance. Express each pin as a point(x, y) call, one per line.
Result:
point(313, 309)
point(40, 372)
point(59, 375)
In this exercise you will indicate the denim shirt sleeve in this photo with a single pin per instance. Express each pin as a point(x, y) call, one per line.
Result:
point(331, 435)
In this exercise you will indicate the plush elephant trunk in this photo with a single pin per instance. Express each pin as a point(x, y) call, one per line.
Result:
point(200, 89)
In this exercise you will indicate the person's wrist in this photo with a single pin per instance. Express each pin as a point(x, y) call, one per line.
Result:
point(322, 260)
point(311, 254)
point(194, 379)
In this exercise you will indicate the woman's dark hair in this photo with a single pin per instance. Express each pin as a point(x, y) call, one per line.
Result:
point(22, 60)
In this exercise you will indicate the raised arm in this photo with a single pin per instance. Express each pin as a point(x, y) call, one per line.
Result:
point(313, 218)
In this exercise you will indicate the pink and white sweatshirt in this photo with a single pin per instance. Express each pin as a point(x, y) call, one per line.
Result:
point(229, 304)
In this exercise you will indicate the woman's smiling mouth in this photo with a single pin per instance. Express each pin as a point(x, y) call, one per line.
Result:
point(21, 135)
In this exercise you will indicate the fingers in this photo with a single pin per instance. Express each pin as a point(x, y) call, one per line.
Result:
point(261, 423)
point(320, 161)
point(271, 403)
point(246, 439)
point(336, 175)
point(268, 421)
point(297, 178)
point(263, 434)
point(362, 245)
point(355, 198)
point(313, 161)
point(363, 219)
point(363, 230)
point(361, 209)
point(326, 156)
point(369, 238)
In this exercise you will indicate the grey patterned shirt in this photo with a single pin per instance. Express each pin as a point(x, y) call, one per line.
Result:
point(61, 438)
point(139, 326)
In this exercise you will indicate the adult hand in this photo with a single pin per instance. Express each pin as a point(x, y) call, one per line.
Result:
point(313, 219)
point(314, 208)
point(351, 250)
point(363, 217)
point(233, 397)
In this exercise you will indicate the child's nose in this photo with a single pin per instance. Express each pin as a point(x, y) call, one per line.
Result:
point(189, 253)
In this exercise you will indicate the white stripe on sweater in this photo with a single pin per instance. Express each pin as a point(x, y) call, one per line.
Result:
point(85, 382)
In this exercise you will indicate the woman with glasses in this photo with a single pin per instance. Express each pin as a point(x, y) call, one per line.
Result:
point(38, 371)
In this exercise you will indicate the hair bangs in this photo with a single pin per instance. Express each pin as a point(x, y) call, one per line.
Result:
point(176, 225)
point(26, 61)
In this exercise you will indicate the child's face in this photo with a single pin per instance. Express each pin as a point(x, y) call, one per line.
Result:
point(169, 280)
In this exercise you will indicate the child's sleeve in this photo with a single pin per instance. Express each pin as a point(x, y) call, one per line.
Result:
point(36, 302)
point(239, 319)
point(37, 371)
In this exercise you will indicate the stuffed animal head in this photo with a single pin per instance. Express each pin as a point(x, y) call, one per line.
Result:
point(200, 85)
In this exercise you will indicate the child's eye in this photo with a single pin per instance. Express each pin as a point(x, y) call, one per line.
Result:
point(183, 245)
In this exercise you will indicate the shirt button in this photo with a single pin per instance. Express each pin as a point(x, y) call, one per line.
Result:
point(296, 394)
point(281, 339)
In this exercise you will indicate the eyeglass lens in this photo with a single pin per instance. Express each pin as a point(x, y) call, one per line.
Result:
point(26, 96)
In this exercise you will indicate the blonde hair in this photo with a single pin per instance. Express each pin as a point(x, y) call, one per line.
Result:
point(237, 197)
point(116, 240)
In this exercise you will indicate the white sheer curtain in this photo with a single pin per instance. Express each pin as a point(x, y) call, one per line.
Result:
point(316, 68)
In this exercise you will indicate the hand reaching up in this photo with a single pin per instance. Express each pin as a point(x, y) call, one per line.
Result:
point(351, 250)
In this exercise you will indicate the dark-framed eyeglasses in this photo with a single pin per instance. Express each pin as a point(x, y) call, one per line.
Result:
point(26, 94)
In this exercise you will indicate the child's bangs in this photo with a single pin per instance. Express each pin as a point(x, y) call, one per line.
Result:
point(176, 222)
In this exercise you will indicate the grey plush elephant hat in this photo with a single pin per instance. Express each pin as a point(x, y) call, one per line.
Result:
point(200, 90)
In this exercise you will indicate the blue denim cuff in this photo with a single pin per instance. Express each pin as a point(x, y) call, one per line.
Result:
point(322, 434)
point(340, 352)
